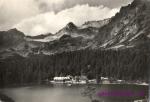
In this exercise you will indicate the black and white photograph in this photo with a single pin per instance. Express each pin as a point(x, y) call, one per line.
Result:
point(74, 50)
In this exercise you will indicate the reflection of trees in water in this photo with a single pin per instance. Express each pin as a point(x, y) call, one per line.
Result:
point(4, 98)
point(89, 91)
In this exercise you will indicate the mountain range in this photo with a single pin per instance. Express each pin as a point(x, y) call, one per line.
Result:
point(118, 48)
point(128, 29)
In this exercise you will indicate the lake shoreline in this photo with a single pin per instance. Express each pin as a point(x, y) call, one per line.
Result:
point(5, 98)
point(53, 84)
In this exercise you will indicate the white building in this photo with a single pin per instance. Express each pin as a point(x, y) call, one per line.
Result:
point(105, 80)
point(70, 80)
point(66, 79)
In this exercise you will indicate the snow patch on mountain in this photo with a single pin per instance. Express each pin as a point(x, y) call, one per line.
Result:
point(96, 24)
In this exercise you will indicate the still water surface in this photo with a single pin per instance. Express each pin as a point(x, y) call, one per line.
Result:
point(58, 93)
point(46, 94)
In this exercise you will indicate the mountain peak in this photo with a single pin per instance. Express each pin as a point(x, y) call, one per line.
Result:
point(13, 30)
point(71, 26)
point(139, 2)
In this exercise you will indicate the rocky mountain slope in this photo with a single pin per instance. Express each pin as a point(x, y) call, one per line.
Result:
point(130, 28)
point(68, 38)
point(11, 38)
point(118, 48)
point(14, 42)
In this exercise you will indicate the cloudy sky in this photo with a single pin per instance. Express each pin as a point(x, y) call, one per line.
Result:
point(35, 17)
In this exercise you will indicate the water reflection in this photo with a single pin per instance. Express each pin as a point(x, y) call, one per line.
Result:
point(67, 94)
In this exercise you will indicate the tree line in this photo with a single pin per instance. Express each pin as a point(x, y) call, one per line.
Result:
point(119, 64)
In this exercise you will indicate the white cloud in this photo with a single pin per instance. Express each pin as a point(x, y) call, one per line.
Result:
point(52, 22)
point(52, 2)
point(12, 11)
point(51, 5)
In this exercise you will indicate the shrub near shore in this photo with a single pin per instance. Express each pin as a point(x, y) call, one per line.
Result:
point(4, 98)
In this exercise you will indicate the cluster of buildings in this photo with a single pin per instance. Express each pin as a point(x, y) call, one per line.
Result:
point(82, 80)
point(70, 80)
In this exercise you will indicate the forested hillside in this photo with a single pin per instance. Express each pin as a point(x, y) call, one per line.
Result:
point(118, 47)
point(122, 64)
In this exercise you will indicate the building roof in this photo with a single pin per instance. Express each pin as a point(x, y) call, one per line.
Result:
point(61, 78)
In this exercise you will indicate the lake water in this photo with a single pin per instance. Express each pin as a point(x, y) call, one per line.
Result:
point(69, 94)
